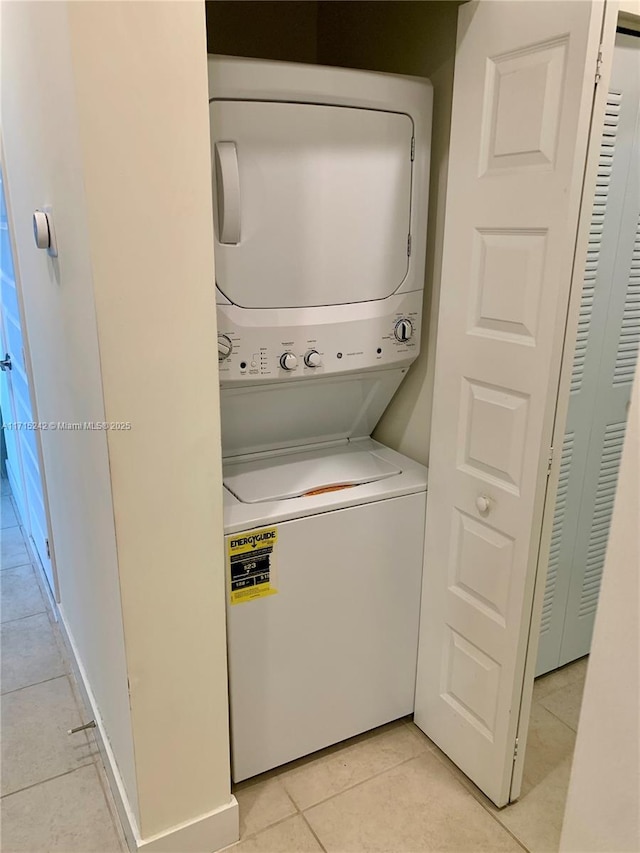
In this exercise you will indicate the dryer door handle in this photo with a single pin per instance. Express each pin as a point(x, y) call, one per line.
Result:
point(228, 192)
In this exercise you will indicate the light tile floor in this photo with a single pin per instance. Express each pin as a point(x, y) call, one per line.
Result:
point(53, 786)
point(393, 790)
point(388, 790)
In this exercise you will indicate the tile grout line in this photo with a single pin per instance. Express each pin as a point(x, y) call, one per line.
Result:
point(426, 748)
point(564, 723)
point(25, 536)
point(301, 812)
point(18, 565)
point(108, 796)
point(35, 684)
point(257, 832)
point(471, 789)
point(20, 618)
point(313, 832)
point(80, 710)
point(357, 784)
point(49, 779)
point(499, 822)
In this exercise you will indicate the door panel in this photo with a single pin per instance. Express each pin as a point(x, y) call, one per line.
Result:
point(22, 450)
point(603, 368)
point(523, 92)
point(321, 197)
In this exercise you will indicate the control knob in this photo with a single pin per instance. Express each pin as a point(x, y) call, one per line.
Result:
point(224, 347)
point(313, 358)
point(288, 361)
point(403, 330)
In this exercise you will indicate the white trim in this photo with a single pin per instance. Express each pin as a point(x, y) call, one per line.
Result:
point(629, 7)
point(209, 832)
point(121, 799)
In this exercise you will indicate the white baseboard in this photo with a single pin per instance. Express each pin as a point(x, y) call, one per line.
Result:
point(205, 834)
point(120, 798)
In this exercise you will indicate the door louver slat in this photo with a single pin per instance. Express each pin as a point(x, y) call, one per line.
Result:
point(556, 536)
point(607, 481)
point(629, 341)
point(595, 237)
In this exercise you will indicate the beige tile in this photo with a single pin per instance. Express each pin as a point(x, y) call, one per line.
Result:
point(565, 703)
point(111, 804)
point(536, 819)
point(549, 683)
point(20, 594)
point(13, 550)
point(549, 754)
point(65, 815)
point(418, 806)
point(8, 517)
point(464, 780)
point(578, 669)
point(417, 732)
point(549, 743)
point(35, 743)
point(563, 677)
point(262, 803)
point(338, 768)
point(291, 836)
point(29, 652)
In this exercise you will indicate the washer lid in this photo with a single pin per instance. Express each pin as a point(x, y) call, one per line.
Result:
point(308, 472)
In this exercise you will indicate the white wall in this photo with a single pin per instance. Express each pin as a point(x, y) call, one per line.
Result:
point(105, 116)
point(603, 803)
point(144, 124)
point(43, 165)
point(416, 38)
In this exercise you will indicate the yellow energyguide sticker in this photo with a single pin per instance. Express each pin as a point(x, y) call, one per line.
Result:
point(251, 563)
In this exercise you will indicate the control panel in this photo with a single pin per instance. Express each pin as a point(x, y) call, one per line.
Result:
point(293, 343)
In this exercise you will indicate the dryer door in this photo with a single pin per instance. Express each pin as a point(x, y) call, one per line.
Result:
point(312, 203)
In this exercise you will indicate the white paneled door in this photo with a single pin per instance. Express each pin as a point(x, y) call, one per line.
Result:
point(23, 465)
point(523, 95)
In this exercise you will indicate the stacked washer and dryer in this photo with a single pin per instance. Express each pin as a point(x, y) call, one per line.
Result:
point(320, 208)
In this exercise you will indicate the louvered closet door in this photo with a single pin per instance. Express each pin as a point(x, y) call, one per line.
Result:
point(603, 369)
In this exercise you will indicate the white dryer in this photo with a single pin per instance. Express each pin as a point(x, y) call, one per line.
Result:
point(320, 204)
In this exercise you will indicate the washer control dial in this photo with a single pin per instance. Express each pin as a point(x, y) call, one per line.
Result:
point(224, 347)
point(403, 330)
point(288, 361)
point(313, 358)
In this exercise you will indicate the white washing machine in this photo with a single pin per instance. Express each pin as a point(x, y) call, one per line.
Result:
point(320, 204)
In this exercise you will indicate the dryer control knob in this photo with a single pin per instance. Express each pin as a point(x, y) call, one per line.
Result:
point(288, 361)
point(403, 330)
point(313, 358)
point(224, 347)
